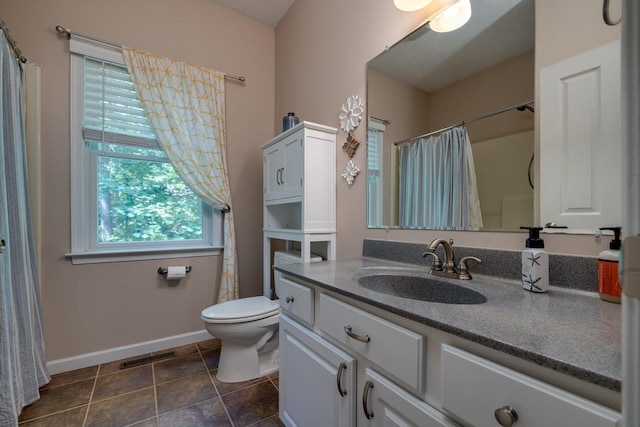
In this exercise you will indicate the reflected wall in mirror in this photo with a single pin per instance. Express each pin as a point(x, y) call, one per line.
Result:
point(429, 81)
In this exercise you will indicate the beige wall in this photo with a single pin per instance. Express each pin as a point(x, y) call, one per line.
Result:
point(322, 47)
point(313, 61)
point(93, 307)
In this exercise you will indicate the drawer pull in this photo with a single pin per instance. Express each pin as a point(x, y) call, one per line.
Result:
point(347, 330)
point(506, 416)
point(365, 396)
point(288, 300)
point(341, 369)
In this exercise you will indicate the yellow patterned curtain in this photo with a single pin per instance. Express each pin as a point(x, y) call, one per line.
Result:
point(185, 105)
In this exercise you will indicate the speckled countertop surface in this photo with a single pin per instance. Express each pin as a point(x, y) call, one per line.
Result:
point(569, 331)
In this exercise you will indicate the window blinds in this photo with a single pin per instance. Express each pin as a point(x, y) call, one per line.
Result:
point(112, 111)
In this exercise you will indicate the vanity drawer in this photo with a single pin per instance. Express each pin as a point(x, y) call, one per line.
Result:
point(473, 388)
point(397, 350)
point(296, 300)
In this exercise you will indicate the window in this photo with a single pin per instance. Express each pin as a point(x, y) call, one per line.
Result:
point(127, 199)
point(374, 173)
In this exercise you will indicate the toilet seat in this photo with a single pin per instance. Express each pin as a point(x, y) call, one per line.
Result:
point(241, 310)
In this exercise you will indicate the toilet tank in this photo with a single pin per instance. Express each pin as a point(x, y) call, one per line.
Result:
point(288, 257)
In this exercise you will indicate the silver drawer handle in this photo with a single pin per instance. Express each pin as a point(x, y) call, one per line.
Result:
point(506, 416)
point(288, 300)
point(365, 396)
point(341, 369)
point(347, 330)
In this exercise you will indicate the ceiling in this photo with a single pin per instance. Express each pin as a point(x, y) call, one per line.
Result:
point(497, 31)
point(267, 12)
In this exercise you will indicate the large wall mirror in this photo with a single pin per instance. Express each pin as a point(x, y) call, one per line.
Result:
point(429, 81)
point(482, 74)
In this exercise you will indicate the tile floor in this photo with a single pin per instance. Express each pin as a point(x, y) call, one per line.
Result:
point(179, 391)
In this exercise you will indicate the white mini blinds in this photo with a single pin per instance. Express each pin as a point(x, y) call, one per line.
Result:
point(112, 111)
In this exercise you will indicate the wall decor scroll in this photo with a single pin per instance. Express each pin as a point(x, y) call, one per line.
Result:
point(351, 113)
point(350, 172)
point(350, 146)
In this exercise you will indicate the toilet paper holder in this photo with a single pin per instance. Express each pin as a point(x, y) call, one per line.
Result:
point(165, 270)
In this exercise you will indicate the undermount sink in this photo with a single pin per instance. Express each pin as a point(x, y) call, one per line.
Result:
point(422, 288)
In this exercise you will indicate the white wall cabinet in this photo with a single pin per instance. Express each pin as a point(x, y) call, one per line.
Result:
point(283, 168)
point(299, 178)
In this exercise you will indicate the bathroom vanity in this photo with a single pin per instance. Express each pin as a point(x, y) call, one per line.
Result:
point(354, 355)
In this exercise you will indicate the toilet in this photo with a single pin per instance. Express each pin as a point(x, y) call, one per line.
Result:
point(248, 332)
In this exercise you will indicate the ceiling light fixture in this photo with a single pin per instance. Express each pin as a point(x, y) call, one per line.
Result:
point(411, 5)
point(452, 17)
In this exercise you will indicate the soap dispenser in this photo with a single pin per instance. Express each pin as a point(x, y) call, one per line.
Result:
point(608, 281)
point(535, 263)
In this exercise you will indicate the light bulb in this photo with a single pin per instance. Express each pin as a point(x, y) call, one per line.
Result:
point(411, 5)
point(452, 18)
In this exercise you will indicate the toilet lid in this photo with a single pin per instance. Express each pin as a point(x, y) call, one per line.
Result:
point(243, 309)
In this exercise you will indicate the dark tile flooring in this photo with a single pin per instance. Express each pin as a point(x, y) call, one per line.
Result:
point(179, 391)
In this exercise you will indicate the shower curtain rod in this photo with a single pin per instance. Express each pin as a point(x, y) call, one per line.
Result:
point(12, 43)
point(69, 33)
point(466, 122)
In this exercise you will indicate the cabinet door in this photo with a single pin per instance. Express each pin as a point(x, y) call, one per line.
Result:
point(317, 380)
point(386, 404)
point(293, 171)
point(273, 167)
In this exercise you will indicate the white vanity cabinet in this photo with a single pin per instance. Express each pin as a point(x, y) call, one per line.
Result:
point(347, 364)
point(386, 404)
point(514, 398)
point(397, 372)
point(317, 385)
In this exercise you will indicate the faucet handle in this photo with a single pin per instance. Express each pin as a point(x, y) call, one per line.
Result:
point(437, 264)
point(463, 268)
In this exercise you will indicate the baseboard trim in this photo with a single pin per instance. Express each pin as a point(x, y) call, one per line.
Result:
point(117, 353)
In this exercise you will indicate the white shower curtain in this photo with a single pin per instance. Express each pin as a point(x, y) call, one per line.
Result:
point(22, 357)
point(437, 183)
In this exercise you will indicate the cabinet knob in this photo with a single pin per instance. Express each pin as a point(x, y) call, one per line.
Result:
point(365, 396)
point(506, 416)
point(288, 300)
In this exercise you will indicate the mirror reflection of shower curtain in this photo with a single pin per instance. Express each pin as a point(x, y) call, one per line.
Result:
point(437, 185)
point(22, 357)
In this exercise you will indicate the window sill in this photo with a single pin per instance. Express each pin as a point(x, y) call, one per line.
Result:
point(140, 254)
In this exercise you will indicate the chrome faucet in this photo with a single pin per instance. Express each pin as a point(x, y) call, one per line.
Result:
point(450, 271)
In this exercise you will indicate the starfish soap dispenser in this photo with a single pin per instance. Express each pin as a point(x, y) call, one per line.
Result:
point(535, 263)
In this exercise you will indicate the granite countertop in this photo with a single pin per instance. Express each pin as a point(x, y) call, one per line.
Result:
point(569, 331)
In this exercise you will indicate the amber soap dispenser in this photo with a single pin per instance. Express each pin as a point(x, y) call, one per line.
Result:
point(608, 280)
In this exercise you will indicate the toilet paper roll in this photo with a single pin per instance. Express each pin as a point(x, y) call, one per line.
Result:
point(176, 272)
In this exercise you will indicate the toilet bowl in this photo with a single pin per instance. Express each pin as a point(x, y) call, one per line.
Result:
point(248, 332)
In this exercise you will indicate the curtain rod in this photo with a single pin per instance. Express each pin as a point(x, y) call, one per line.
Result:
point(383, 121)
point(466, 122)
point(12, 43)
point(69, 33)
